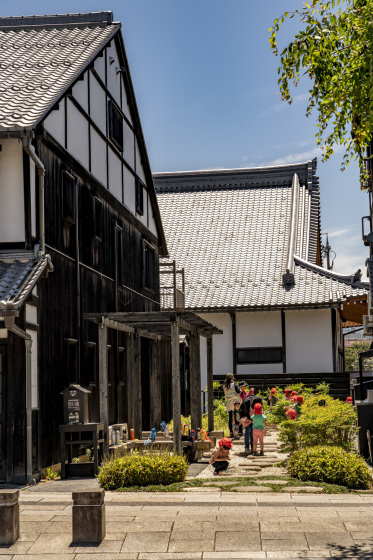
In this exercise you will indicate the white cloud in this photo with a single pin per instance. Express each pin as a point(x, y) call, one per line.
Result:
point(290, 158)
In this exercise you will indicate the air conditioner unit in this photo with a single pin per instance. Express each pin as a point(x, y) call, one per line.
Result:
point(367, 326)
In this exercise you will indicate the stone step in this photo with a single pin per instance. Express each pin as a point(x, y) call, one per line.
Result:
point(251, 489)
point(308, 489)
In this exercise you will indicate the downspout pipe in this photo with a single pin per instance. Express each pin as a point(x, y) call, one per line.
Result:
point(29, 149)
point(12, 327)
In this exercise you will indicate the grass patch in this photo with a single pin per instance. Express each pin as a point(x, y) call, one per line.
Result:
point(201, 482)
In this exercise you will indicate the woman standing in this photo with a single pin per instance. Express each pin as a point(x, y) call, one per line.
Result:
point(231, 393)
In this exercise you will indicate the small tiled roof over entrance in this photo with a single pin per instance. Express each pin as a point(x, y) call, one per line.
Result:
point(19, 272)
point(40, 57)
point(236, 232)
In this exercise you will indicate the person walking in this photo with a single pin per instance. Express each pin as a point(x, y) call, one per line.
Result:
point(231, 394)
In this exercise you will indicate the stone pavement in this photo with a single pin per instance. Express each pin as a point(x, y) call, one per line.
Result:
point(199, 525)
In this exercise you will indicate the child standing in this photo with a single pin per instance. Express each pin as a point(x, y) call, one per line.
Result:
point(220, 456)
point(259, 427)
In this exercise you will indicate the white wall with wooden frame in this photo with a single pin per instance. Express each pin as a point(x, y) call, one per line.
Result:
point(93, 123)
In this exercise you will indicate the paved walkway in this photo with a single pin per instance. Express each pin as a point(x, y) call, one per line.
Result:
point(202, 524)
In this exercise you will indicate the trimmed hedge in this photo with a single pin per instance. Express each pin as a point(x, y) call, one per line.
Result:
point(142, 470)
point(330, 464)
point(333, 424)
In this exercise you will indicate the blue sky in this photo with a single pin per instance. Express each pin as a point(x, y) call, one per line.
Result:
point(206, 86)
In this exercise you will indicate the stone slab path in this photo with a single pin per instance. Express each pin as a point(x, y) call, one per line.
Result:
point(200, 526)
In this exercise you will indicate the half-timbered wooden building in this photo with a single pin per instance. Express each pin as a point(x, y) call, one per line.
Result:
point(249, 241)
point(80, 233)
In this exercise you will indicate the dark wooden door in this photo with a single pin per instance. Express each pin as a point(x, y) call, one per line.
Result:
point(3, 364)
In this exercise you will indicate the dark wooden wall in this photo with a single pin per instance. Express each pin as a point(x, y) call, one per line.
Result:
point(68, 345)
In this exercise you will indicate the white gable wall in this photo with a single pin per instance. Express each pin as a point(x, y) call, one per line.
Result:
point(85, 143)
point(55, 124)
point(12, 215)
point(309, 343)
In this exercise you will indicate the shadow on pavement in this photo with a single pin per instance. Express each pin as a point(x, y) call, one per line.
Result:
point(357, 551)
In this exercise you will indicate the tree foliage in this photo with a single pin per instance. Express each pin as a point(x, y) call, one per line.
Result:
point(352, 355)
point(334, 48)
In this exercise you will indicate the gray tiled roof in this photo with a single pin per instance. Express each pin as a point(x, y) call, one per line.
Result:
point(40, 57)
point(19, 273)
point(230, 230)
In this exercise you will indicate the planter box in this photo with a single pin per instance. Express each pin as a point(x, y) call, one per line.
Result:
point(80, 469)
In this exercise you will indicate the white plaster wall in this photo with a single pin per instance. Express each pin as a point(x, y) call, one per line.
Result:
point(34, 369)
point(115, 175)
point(309, 346)
point(113, 79)
point(77, 134)
point(152, 226)
point(80, 92)
point(258, 329)
point(139, 168)
point(99, 66)
point(31, 314)
point(129, 190)
point(33, 187)
point(98, 157)
point(55, 124)
point(12, 218)
point(128, 145)
point(98, 104)
point(222, 346)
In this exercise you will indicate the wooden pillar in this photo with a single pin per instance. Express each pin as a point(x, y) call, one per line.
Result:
point(103, 382)
point(134, 384)
point(210, 386)
point(155, 387)
point(176, 396)
point(195, 381)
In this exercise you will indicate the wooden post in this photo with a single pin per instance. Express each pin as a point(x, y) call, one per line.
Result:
point(195, 382)
point(134, 384)
point(155, 387)
point(103, 382)
point(210, 386)
point(176, 397)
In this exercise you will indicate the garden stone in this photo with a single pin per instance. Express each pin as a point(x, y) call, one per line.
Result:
point(305, 489)
point(251, 489)
point(279, 482)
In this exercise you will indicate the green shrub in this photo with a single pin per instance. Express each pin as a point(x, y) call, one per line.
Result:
point(142, 470)
point(333, 424)
point(330, 464)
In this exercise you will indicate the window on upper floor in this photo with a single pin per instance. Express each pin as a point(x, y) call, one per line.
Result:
point(139, 197)
point(115, 125)
point(68, 198)
point(148, 266)
point(262, 355)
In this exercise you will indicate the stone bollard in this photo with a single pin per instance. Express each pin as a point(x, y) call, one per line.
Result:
point(9, 516)
point(89, 516)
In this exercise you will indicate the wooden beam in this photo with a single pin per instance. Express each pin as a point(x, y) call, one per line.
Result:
point(176, 396)
point(103, 382)
point(210, 386)
point(155, 387)
point(147, 334)
point(195, 381)
point(134, 384)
